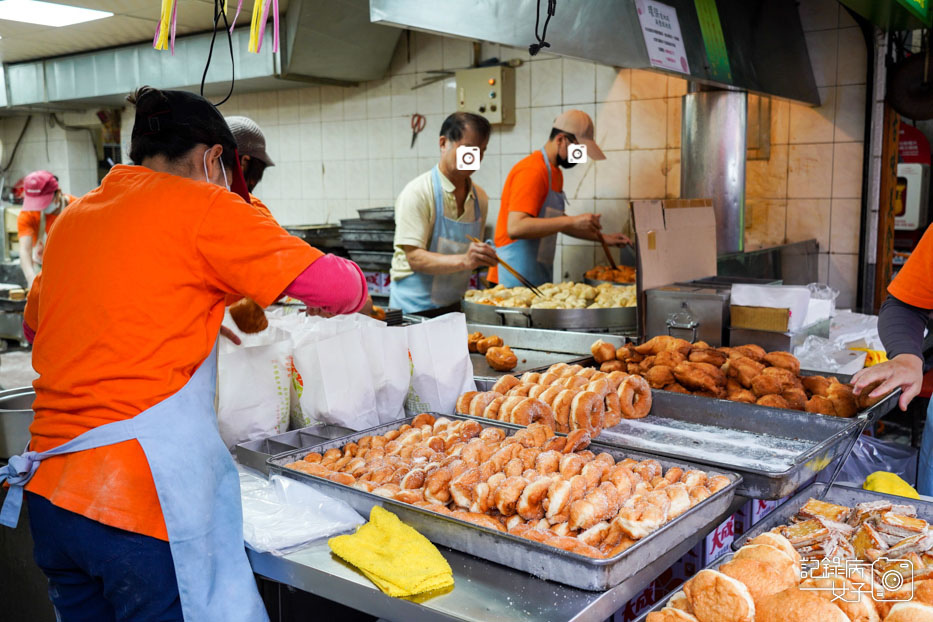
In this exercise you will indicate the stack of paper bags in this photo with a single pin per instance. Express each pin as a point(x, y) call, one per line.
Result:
point(398, 559)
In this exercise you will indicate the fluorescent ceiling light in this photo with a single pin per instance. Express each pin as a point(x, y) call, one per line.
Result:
point(47, 13)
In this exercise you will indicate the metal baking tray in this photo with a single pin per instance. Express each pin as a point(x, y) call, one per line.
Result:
point(254, 454)
point(597, 282)
point(616, 319)
point(377, 213)
point(372, 260)
point(658, 606)
point(536, 558)
point(358, 224)
point(839, 494)
point(536, 349)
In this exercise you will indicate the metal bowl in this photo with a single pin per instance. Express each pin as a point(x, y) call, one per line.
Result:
point(595, 282)
point(616, 319)
point(15, 419)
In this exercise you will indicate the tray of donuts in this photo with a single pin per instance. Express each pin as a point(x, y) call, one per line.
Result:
point(558, 507)
point(745, 374)
point(852, 555)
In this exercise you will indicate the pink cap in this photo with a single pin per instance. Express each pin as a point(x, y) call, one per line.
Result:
point(39, 189)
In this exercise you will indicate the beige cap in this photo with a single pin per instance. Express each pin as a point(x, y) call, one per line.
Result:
point(580, 124)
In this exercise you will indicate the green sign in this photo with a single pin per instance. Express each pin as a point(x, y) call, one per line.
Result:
point(715, 43)
point(920, 8)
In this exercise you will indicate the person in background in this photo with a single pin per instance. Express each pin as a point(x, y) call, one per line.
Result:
point(134, 500)
point(532, 210)
point(43, 201)
point(434, 214)
point(251, 145)
point(901, 324)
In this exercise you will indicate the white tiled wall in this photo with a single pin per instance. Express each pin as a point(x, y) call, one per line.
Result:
point(68, 154)
point(341, 149)
point(812, 185)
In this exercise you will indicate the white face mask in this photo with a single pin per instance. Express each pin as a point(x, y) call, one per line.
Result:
point(222, 170)
point(52, 207)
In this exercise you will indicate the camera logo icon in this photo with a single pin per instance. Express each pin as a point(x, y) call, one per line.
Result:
point(467, 158)
point(896, 579)
point(576, 154)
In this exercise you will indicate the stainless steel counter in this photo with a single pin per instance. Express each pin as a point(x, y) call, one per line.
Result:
point(483, 591)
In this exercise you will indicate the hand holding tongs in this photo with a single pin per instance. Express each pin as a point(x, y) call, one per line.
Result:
point(514, 272)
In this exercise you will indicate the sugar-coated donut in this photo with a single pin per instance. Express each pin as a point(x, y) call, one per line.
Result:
point(635, 397)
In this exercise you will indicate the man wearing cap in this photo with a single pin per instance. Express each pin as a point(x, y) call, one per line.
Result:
point(43, 201)
point(251, 145)
point(533, 202)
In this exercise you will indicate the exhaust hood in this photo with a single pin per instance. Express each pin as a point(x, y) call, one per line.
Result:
point(762, 41)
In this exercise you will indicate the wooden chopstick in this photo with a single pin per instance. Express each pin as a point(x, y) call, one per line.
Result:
point(602, 240)
point(514, 272)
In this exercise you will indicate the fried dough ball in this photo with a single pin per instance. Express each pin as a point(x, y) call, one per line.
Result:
point(759, 577)
point(717, 597)
point(501, 358)
point(788, 379)
point(493, 341)
point(765, 384)
point(784, 360)
point(669, 358)
point(864, 400)
point(472, 340)
point(603, 351)
point(735, 392)
point(713, 357)
point(857, 606)
point(700, 377)
point(659, 376)
point(772, 400)
point(662, 343)
point(744, 370)
point(611, 366)
point(248, 316)
point(670, 614)
point(676, 387)
point(816, 385)
point(796, 398)
point(756, 353)
point(795, 605)
point(843, 399)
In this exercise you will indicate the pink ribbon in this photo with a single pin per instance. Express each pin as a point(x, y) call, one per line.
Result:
point(262, 25)
point(172, 31)
point(239, 5)
point(275, 25)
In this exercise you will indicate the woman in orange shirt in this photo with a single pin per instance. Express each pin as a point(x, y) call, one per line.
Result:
point(133, 498)
point(43, 201)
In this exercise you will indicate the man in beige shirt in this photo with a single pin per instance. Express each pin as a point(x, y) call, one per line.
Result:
point(434, 215)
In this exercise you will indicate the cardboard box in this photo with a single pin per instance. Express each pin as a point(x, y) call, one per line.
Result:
point(760, 318)
point(676, 242)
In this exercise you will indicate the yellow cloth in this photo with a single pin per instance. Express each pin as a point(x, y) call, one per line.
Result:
point(398, 559)
point(883, 481)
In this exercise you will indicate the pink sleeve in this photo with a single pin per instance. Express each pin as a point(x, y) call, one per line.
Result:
point(331, 283)
point(29, 333)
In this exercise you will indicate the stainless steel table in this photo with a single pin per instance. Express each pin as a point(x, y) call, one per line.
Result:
point(483, 591)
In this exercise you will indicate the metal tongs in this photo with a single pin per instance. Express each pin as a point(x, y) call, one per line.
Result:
point(514, 272)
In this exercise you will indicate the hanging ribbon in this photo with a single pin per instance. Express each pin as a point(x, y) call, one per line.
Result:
point(164, 38)
point(258, 26)
point(236, 16)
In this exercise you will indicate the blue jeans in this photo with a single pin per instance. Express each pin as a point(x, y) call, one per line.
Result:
point(99, 573)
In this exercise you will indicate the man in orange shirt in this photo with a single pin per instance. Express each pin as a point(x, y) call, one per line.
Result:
point(901, 324)
point(251, 145)
point(134, 502)
point(533, 203)
point(43, 201)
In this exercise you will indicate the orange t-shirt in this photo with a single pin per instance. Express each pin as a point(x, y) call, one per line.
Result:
point(265, 211)
point(525, 191)
point(27, 223)
point(914, 283)
point(128, 305)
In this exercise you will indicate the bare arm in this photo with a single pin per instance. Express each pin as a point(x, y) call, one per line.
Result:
point(523, 226)
point(25, 259)
point(426, 262)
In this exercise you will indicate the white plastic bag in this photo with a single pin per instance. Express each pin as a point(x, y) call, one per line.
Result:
point(282, 515)
point(253, 393)
point(387, 352)
point(440, 364)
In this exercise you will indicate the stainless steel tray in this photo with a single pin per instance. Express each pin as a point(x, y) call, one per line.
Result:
point(658, 606)
point(15, 418)
point(839, 494)
point(533, 557)
point(618, 319)
point(254, 454)
point(536, 349)
point(596, 282)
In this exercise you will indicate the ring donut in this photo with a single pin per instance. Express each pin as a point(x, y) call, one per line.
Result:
point(575, 382)
point(586, 412)
point(578, 440)
point(558, 368)
point(505, 383)
point(635, 397)
point(599, 385)
point(463, 402)
point(520, 389)
point(523, 412)
point(549, 378)
point(588, 372)
point(547, 396)
point(480, 401)
point(561, 408)
point(615, 378)
point(492, 410)
point(571, 370)
point(505, 409)
point(536, 390)
point(613, 410)
point(530, 377)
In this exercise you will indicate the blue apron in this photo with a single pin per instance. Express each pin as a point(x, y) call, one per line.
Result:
point(198, 490)
point(925, 463)
point(534, 258)
point(420, 292)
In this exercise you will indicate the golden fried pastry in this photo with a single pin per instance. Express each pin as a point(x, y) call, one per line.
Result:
point(784, 360)
point(611, 366)
point(744, 370)
point(505, 384)
point(766, 384)
point(717, 597)
point(741, 395)
point(501, 358)
point(759, 577)
point(700, 377)
point(603, 351)
point(473, 340)
point(782, 562)
point(493, 341)
point(857, 605)
point(621, 274)
point(669, 614)
point(778, 541)
point(864, 399)
point(795, 605)
point(910, 612)
point(774, 401)
point(795, 398)
point(248, 316)
point(659, 376)
point(635, 397)
point(669, 358)
point(463, 402)
point(676, 387)
point(713, 357)
point(819, 404)
point(479, 403)
point(662, 343)
point(378, 313)
point(816, 385)
point(843, 399)
point(756, 353)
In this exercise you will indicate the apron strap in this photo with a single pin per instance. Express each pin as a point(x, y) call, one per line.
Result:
point(547, 165)
point(438, 207)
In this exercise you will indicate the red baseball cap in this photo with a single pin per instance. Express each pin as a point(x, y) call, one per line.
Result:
point(39, 188)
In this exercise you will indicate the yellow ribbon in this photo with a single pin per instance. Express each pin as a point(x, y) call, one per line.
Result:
point(165, 24)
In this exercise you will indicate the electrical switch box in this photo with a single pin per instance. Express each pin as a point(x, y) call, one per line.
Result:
point(489, 91)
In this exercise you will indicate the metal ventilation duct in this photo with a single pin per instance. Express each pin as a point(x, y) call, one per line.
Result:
point(763, 39)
